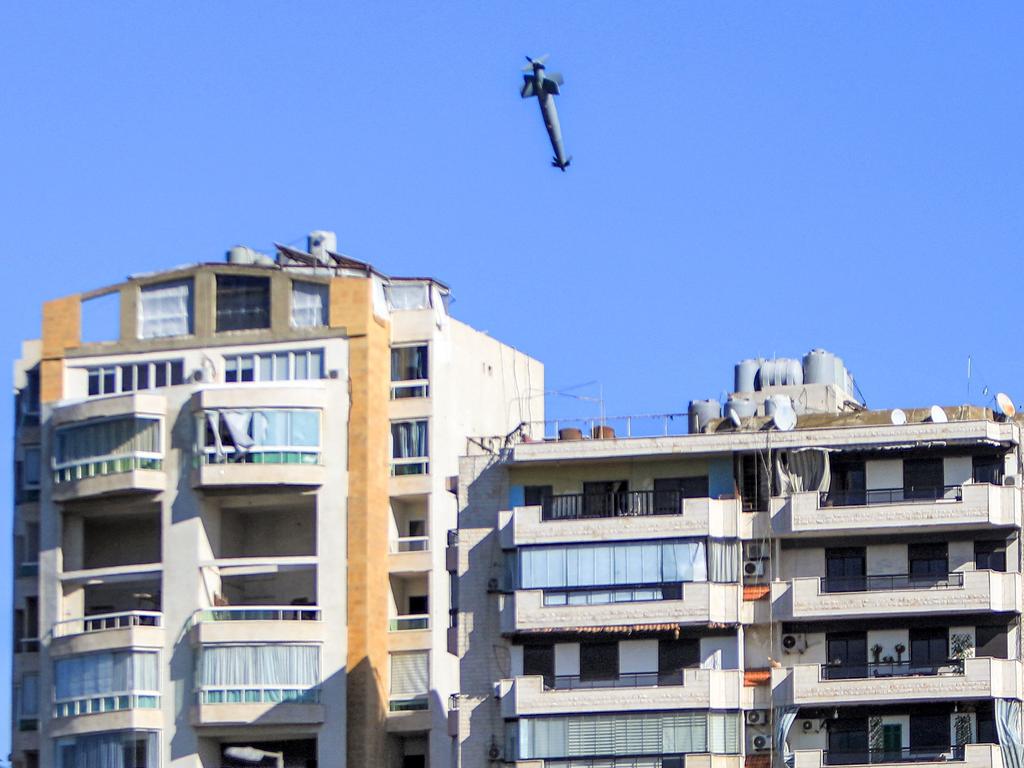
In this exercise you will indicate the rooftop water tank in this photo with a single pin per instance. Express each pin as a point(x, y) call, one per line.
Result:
point(775, 403)
point(701, 412)
point(822, 367)
point(741, 407)
point(782, 372)
point(746, 374)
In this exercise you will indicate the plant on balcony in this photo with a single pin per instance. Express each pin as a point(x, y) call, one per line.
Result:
point(900, 648)
point(888, 659)
point(876, 651)
point(961, 646)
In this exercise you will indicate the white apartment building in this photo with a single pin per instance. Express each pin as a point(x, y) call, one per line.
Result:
point(231, 517)
point(804, 582)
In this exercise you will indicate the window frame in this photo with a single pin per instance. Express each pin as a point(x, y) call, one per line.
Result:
point(237, 363)
point(241, 289)
point(189, 309)
point(410, 465)
point(173, 375)
point(416, 388)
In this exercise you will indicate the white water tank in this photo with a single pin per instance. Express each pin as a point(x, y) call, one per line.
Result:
point(742, 407)
point(782, 372)
point(319, 242)
point(775, 403)
point(701, 412)
point(746, 374)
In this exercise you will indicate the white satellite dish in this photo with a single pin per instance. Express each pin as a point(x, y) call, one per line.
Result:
point(1006, 406)
point(938, 415)
point(735, 419)
point(785, 419)
point(898, 416)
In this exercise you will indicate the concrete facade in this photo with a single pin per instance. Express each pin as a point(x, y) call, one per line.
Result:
point(221, 513)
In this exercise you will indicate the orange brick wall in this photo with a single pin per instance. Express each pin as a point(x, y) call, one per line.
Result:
point(62, 330)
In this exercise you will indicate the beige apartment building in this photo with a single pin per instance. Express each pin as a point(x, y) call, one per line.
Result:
point(231, 516)
point(798, 581)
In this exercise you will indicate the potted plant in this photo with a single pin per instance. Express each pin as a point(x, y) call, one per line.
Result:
point(876, 651)
point(899, 648)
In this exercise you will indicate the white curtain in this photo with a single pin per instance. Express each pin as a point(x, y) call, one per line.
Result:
point(111, 437)
point(724, 560)
point(409, 439)
point(407, 295)
point(165, 310)
point(611, 564)
point(410, 673)
point(259, 665)
point(309, 305)
point(238, 423)
point(807, 469)
point(98, 674)
point(784, 717)
point(1008, 727)
point(118, 749)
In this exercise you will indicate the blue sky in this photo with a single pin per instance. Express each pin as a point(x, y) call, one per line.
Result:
point(747, 178)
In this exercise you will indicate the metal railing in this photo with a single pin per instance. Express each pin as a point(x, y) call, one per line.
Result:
point(257, 613)
point(615, 593)
point(891, 669)
point(250, 694)
point(663, 760)
point(889, 583)
point(904, 755)
point(408, 622)
point(101, 622)
point(577, 506)
point(410, 544)
point(911, 493)
point(622, 680)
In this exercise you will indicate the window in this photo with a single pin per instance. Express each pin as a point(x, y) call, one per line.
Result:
point(605, 497)
point(30, 469)
point(419, 605)
point(28, 398)
point(107, 447)
point(754, 482)
point(270, 436)
point(847, 654)
point(117, 749)
point(670, 491)
point(599, 661)
point(409, 448)
point(287, 365)
point(929, 561)
point(129, 377)
point(409, 372)
point(923, 479)
point(988, 469)
point(309, 304)
point(845, 569)
point(410, 675)
point(242, 302)
point(28, 702)
point(254, 674)
point(104, 682)
point(407, 295)
point(540, 660)
point(990, 555)
point(165, 309)
point(928, 648)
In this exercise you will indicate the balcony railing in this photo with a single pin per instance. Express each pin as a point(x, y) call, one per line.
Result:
point(891, 669)
point(263, 454)
point(103, 621)
point(249, 694)
point(410, 544)
point(912, 493)
point(110, 702)
point(904, 755)
point(106, 465)
point(417, 704)
point(408, 622)
point(616, 593)
point(663, 760)
point(623, 680)
point(889, 583)
point(257, 613)
point(577, 506)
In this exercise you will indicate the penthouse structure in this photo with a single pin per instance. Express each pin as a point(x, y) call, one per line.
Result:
point(799, 582)
point(231, 516)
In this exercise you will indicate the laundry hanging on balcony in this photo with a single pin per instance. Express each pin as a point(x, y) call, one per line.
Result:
point(784, 717)
point(806, 469)
point(1008, 726)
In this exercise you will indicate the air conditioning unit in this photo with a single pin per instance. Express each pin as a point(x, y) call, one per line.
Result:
point(761, 743)
point(794, 643)
point(757, 717)
point(1010, 480)
point(755, 550)
point(492, 585)
point(753, 568)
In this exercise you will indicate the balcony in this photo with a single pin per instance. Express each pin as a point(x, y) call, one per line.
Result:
point(409, 715)
point(409, 554)
point(279, 705)
point(258, 437)
point(882, 511)
point(900, 595)
point(109, 446)
point(620, 516)
point(257, 623)
point(630, 692)
point(648, 604)
point(967, 755)
point(810, 684)
point(108, 631)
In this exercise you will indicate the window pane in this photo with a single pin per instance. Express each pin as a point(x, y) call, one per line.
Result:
point(309, 305)
point(242, 302)
point(165, 310)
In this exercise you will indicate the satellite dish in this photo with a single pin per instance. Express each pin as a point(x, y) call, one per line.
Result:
point(735, 419)
point(1006, 406)
point(898, 416)
point(938, 415)
point(785, 419)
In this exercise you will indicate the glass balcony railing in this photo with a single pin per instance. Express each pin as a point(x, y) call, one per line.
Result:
point(416, 704)
point(891, 669)
point(409, 622)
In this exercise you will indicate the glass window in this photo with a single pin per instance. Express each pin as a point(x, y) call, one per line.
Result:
point(407, 295)
point(256, 666)
point(100, 674)
point(30, 471)
point(29, 699)
point(107, 446)
point(409, 447)
point(129, 377)
point(165, 309)
point(309, 305)
point(116, 749)
point(243, 302)
point(293, 365)
point(409, 372)
point(990, 555)
point(410, 674)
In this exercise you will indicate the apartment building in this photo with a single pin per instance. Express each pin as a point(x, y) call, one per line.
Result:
point(799, 581)
point(231, 515)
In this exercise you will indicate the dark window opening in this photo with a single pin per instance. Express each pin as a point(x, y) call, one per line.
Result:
point(540, 660)
point(922, 478)
point(988, 469)
point(991, 641)
point(599, 661)
point(845, 569)
point(847, 654)
point(929, 648)
point(754, 482)
point(605, 498)
point(848, 483)
point(419, 605)
point(536, 495)
point(930, 560)
point(990, 555)
point(676, 655)
point(242, 302)
point(669, 491)
point(929, 732)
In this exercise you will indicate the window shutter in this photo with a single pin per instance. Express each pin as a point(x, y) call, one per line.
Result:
point(410, 675)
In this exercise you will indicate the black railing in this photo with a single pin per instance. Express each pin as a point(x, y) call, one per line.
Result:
point(577, 506)
point(615, 593)
point(661, 760)
point(891, 669)
point(622, 680)
point(891, 582)
point(890, 495)
point(904, 755)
